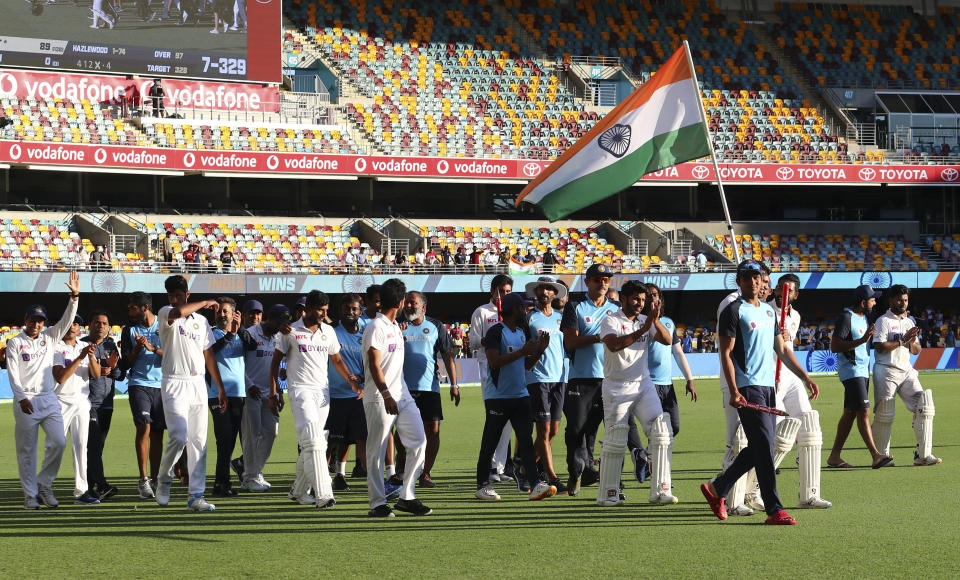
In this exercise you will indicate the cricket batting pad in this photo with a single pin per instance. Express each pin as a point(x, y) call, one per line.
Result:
point(809, 446)
point(883, 424)
point(661, 443)
point(611, 464)
point(784, 437)
point(923, 424)
point(315, 461)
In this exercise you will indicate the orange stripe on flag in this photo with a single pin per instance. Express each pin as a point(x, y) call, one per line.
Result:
point(674, 70)
point(943, 280)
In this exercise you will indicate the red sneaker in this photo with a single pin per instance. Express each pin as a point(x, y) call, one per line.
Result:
point(781, 518)
point(717, 504)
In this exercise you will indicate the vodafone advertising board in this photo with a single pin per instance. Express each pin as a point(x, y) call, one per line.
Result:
point(109, 90)
point(68, 154)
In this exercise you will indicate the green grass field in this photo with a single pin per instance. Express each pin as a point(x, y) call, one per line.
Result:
point(895, 522)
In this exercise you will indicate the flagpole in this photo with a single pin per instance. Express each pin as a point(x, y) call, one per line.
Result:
point(713, 154)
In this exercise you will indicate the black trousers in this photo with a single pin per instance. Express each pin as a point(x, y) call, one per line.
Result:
point(519, 414)
point(226, 429)
point(583, 408)
point(759, 429)
point(96, 438)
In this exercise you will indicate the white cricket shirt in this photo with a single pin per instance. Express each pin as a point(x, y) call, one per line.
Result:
point(484, 317)
point(892, 327)
point(183, 344)
point(30, 360)
point(386, 337)
point(307, 352)
point(625, 370)
point(78, 385)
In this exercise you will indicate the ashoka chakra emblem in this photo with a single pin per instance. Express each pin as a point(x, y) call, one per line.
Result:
point(877, 279)
point(356, 283)
point(108, 283)
point(615, 140)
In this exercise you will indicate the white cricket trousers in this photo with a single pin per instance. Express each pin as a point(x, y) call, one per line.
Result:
point(76, 424)
point(888, 382)
point(259, 429)
point(310, 405)
point(619, 407)
point(46, 415)
point(186, 414)
point(410, 429)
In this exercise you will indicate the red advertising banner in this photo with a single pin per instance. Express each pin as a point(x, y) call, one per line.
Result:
point(110, 90)
point(264, 45)
point(146, 158)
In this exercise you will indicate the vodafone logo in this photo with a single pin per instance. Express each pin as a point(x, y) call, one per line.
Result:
point(8, 84)
point(867, 174)
point(443, 167)
point(949, 174)
point(100, 155)
point(531, 169)
point(189, 159)
point(15, 151)
point(272, 162)
point(360, 164)
point(784, 173)
point(700, 172)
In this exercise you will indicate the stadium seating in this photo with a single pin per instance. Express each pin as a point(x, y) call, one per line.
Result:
point(871, 46)
point(39, 244)
point(64, 121)
point(248, 137)
point(828, 252)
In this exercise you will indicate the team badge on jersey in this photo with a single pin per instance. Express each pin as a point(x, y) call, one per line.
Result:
point(426, 331)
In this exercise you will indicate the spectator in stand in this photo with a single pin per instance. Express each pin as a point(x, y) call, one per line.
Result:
point(490, 261)
point(446, 258)
point(226, 260)
point(687, 341)
point(99, 260)
point(530, 258)
point(362, 258)
point(518, 256)
point(168, 246)
point(549, 261)
point(350, 260)
point(420, 258)
point(157, 94)
point(432, 260)
point(475, 259)
point(400, 259)
point(189, 257)
point(701, 261)
point(503, 260)
point(213, 264)
point(950, 338)
point(83, 259)
point(457, 336)
point(460, 259)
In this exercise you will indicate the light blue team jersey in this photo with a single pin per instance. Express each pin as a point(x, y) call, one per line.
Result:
point(585, 317)
point(145, 371)
point(352, 356)
point(422, 344)
point(230, 362)
point(363, 321)
point(754, 328)
point(549, 368)
point(856, 362)
point(508, 381)
point(660, 356)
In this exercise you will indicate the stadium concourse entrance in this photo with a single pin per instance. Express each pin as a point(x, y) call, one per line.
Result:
point(463, 199)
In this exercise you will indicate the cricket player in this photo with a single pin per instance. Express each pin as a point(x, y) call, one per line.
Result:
point(545, 381)
point(510, 354)
point(424, 339)
point(803, 423)
point(629, 392)
point(749, 337)
point(260, 425)
point(387, 402)
point(895, 339)
point(744, 490)
point(73, 367)
point(347, 423)
point(583, 403)
point(850, 337)
point(35, 405)
point(252, 313)
point(187, 340)
point(308, 348)
point(482, 319)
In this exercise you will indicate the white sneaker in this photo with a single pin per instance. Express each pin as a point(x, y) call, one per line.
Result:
point(487, 493)
point(324, 503)
point(214, 31)
point(815, 503)
point(145, 489)
point(542, 490)
point(740, 510)
point(504, 478)
point(664, 498)
point(755, 501)
point(198, 504)
point(254, 486)
point(928, 460)
point(163, 493)
point(31, 503)
point(305, 499)
point(494, 477)
point(262, 481)
point(45, 495)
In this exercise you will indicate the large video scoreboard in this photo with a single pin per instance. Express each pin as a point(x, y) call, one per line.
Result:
point(146, 38)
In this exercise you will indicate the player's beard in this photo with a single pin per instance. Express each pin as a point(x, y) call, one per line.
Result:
point(898, 311)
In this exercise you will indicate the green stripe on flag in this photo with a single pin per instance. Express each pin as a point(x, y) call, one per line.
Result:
point(662, 151)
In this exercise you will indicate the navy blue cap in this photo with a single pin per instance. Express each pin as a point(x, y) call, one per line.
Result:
point(514, 300)
point(252, 305)
point(748, 267)
point(78, 320)
point(36, 310)
point(865, 292)
point(279, 311)
point(302, 301)
point(598, 270)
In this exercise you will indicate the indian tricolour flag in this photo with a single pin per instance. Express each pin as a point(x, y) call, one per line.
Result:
point(659, 125)
point(517, 267)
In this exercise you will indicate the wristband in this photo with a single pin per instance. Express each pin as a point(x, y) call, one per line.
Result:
point(74, 296)
point(386, 395)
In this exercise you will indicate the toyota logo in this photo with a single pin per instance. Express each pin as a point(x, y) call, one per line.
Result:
point(949, 174)
point(8, 84)
point(701, 172)
point(272, 162)
point(360, 164)
point(531, 169)
point(15, 152)
point(867, 174)
point(100, 155)
point(189, 159)
point(784, 173)
point(443, 166)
